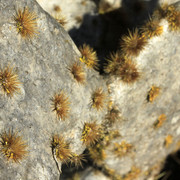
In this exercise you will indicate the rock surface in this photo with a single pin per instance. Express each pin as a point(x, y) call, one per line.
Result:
point(73, 11)
point(42, 67)
point(159, 64)
point(90, 174)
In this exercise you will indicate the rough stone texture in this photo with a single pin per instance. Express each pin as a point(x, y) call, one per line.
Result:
point(90, 174)
point(70, 9)
point(159, 64)
point(42, 66)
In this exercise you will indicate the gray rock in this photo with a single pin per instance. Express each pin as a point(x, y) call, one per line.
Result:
point(42, 66)
point(72, 10)
point(159, 64)
point(90, 174)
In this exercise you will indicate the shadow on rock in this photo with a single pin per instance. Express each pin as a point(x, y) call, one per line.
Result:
point(171, 169)
point(104, 31)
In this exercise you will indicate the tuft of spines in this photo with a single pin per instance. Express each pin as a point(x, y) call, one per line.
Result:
point(57, 8)
point(60, 19)
point(104, 7)
point(113, 62)
point(99, 99)
point(26, 23)
point(171, 14)
point(133, 174)
point(123, 67)
point(153, 93)
point(60, 104)
point(162, 10)
point(122, 149)
point(109, 136)
point(78, 19)
point(77, 160)
point(78, 73)
point(128, 72)
point(133, 43)
point(91, 134)
point(173, 18)
point(160, 121)
point(12, 146)
point(61, 149)
point(152, 28)
point(9, 81)
point(58, 16)
point(97, 154)
point(89, 56)
point(113, 115)
point(168, 140)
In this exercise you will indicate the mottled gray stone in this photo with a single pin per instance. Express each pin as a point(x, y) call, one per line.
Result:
point(71, 10)
point(90, 174)
point(159, 65)
point(42, 67)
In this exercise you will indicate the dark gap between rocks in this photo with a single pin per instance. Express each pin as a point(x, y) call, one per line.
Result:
point(171, 168)
point(104, 31)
